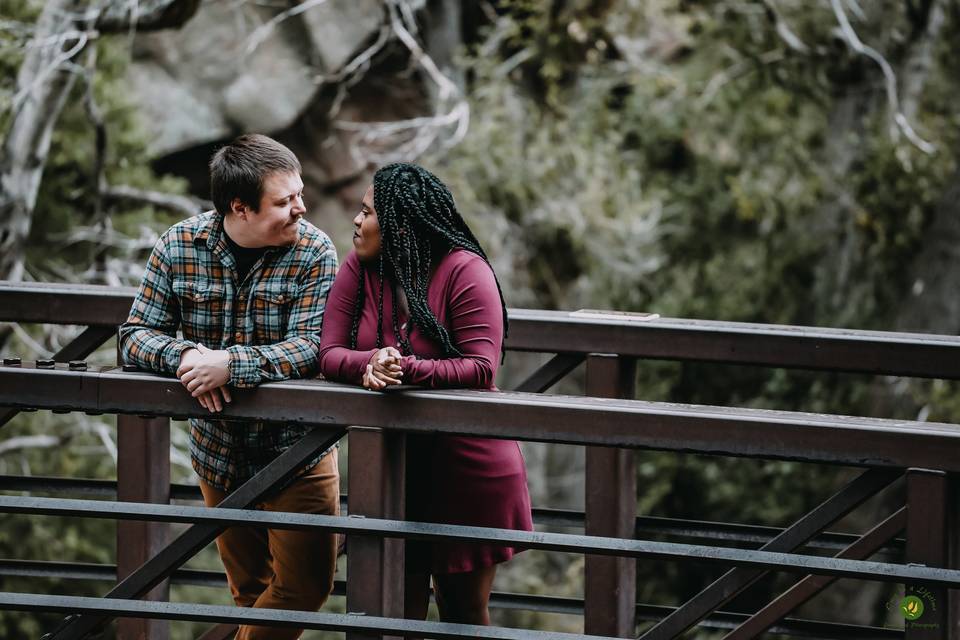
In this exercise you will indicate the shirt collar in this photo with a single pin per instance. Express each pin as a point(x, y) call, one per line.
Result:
point(210, 231)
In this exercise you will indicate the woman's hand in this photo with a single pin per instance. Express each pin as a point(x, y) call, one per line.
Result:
point(383, 369)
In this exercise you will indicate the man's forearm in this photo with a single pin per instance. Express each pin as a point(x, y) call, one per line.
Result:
point(152, 349)
point(294, 358)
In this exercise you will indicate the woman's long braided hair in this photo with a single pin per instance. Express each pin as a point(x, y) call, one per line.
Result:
point(419, 224)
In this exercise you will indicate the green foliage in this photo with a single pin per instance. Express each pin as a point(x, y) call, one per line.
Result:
point(66, 202)
point(685, 159)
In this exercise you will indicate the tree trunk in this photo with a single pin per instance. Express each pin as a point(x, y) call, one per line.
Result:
point(44, 83)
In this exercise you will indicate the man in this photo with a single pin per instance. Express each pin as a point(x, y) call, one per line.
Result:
point(246, 284)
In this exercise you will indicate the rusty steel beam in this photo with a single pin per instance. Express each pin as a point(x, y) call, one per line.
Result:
point(610, 499)
point(732, 583)
point(375, 566)
point(810, 586)
point(566, 419)
point(928, 539)
point(222, 631)
point(550, 373)
point(89, 340)
point(184, 547)
point(877, 352)
point(143, 475)
point(60, 303)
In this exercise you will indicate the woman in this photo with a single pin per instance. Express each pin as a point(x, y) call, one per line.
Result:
point(417, 302)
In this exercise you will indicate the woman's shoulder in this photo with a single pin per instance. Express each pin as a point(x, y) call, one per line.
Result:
point(458, 259)
point(351, 263)
point(462, 267)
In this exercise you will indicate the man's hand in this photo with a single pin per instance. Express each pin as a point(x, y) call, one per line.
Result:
point(383, 369)
point(205, 372)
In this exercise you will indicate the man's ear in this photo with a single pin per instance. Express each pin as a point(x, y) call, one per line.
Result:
point(240, 209)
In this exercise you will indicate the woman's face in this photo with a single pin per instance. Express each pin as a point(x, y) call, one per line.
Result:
point(366, 236)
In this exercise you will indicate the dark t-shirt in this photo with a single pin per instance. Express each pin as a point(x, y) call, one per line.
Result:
point(244, 257)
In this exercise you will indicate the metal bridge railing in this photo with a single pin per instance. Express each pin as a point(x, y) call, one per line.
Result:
point(607, 422)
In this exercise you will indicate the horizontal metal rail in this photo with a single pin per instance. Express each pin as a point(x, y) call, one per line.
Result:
point(274, 617)
point(723, 620)
point(562, 542)
point(875, 352)
point(733, 533)
point(567, 419)
point(100, 572)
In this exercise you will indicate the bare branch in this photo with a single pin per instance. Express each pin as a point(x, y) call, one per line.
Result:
point(27, 339)
point(919, 62)
point(103, 432)
point(783, 29)
point(264, 30)
point(119, 16)
point(55, 65)
point(408, 139)
point(100, 135)
point(857, 45)
point(29, 442)
point(173, 202)
point(353, 71)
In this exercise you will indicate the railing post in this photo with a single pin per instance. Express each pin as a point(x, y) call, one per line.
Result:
point(375, 485)
point(928, 541)
point(953, 552)
point(143, 475)
point(610, 584)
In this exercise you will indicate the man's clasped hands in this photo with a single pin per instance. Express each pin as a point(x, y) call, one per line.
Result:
point(205, 373)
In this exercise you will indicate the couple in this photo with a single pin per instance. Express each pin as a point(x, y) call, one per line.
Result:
point(255, 290)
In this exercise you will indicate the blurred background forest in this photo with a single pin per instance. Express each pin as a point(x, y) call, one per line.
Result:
point(777, 161)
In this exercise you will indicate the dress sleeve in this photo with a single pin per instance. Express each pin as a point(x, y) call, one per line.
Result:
point(476, 328)
point(337, 360)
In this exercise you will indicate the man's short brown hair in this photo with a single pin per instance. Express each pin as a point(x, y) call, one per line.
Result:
point(238, 170)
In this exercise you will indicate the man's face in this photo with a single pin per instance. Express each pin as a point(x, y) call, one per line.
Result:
point(276, 223)
point(366, 234)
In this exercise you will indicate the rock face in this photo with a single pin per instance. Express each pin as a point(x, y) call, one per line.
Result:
point(289, 70)
point(236, 68)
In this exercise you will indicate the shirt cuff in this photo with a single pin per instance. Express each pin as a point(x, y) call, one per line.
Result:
point(244, 366)
point(173, 353)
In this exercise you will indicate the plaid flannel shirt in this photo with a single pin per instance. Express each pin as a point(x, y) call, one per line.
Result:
point(270, 324)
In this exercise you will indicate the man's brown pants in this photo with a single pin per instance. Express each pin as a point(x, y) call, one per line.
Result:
point(274, 569)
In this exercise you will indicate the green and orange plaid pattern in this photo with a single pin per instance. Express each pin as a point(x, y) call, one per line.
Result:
point(270, 324)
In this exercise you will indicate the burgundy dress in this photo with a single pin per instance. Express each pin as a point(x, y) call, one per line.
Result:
point(451, 479)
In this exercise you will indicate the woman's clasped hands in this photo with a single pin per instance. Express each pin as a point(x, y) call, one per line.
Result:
point(383, 369)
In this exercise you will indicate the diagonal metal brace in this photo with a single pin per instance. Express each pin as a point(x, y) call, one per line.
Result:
point(735, 581)
point(175, 554)
point(810, 586)
point(77, 349)
point(550, 373)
